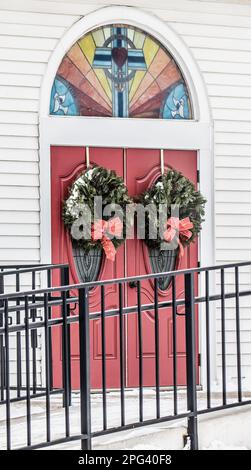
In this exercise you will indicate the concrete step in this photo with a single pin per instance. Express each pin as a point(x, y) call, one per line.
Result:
point(228, 429)
point(159, 436)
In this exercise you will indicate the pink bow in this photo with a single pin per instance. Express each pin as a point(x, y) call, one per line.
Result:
point(180, 228)
point(101, 229)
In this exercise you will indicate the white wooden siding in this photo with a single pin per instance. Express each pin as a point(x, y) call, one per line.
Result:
point(219, 37)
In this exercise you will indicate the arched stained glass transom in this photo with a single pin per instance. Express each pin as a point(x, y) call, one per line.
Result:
point(120, 71)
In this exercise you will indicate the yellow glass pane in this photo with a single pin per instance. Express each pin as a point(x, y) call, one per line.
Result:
point(88, 47)
point(150, 49)
point(104, 82)
point(139, 75)
point(99, 37)
point(130, 34)
point(139, 39)
point(107, 32)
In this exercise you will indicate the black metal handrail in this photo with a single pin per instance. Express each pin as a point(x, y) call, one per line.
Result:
point(8, 270)
point(54, 307)
point(92, 284)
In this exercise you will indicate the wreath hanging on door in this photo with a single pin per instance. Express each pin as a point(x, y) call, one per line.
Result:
point(183, 209)
point(108, 232)
point(84, 214)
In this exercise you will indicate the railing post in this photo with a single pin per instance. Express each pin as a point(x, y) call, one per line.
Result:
point(49, 284)
point(2, 349)
point(65, 281)
point(191, 360)
point(84, 355)
point(1, 287)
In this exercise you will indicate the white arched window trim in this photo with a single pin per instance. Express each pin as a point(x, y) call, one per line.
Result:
point(195, 134)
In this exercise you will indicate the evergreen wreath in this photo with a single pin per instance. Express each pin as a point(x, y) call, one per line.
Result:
point(174, 189)
point(98, 181)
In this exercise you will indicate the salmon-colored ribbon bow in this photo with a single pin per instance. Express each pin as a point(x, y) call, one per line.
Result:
point(101, 229)
point(180, 229)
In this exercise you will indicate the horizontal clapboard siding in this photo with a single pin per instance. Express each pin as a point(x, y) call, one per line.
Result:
point(219, 37)
point(26, 42)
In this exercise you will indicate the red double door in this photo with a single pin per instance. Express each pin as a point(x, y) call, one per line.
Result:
point(140, 169)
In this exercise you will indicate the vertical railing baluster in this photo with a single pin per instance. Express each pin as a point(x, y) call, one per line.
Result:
point(223, 338)
point(65, 281)
point(2, 349)
point(18, 341)
point(27, 360)
point(140, 351)
point(34, 338)
point(121, 348)
point(103, 336)
point(156, 334)
point(191, 359)
point(238, 338)
point(84, 355)
point(7, 374)
point(50, 333)
point(65, 363)
point(47, 369)
point(208, 349)
point(2, 361)
point(174, 312)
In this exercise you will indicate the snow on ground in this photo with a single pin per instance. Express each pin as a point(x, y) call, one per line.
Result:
point(38, 424)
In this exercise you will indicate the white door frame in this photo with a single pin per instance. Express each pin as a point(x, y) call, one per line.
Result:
point(193, 134)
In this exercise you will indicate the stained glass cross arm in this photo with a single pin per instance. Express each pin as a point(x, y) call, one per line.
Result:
point(104, 55)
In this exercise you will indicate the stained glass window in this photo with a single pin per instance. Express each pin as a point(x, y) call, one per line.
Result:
point(119, 71)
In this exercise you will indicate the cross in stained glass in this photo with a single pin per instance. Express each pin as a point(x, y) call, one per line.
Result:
point(120, 59)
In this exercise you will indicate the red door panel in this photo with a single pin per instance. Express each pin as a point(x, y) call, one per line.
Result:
point(66, 164)
point(143, 169)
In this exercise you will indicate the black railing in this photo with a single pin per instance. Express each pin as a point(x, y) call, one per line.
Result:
point(14, 278)
point(52, 309)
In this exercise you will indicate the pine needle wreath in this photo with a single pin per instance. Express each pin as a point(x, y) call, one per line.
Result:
point(93, 182)
point(173, 189)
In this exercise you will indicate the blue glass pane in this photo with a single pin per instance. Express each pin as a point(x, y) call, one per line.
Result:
point(176, 105)
point(62, 101)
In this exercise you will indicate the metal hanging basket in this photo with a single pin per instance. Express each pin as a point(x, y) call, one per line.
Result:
point(87, 263)
point(163, 261)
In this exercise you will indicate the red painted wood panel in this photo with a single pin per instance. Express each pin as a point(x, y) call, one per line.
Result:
point(140, 169)
point(143, 169)
point(66, 164)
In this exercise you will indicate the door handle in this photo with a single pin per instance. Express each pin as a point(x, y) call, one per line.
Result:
point(132, 284)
